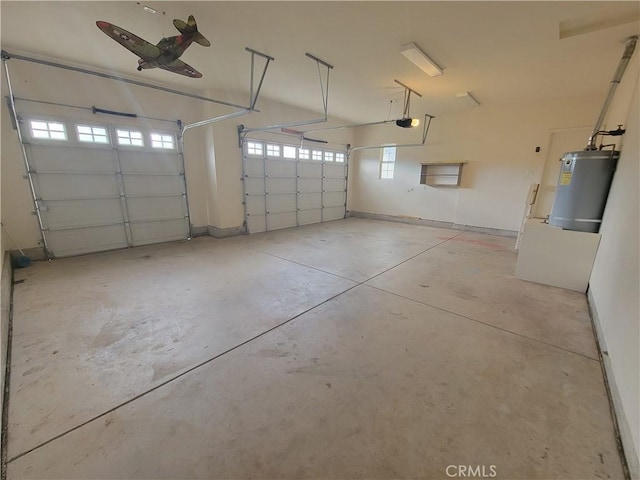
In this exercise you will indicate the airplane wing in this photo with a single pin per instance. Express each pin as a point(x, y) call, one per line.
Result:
point(131, 42)
point(178, 66)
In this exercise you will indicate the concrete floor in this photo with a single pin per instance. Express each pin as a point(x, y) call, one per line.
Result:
point(351, 349)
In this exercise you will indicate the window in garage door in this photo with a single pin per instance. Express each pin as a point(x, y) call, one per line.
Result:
point(101, 186)
point(287, 186)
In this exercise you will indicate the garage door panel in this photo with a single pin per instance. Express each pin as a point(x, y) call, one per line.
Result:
point(281, 203)
point(63, 159)
point(334, 171)
point(281, 168)
point(256, 205)
point(65, 186)
point(254, 186)
point(256, 223)
point(306, 217)
point(281, 185)
point(63, 243)
point(308, 185)
point(140, 185)
point(334, 185)
point(254, 167)
point(276, 221)
point(333, 213)
point(144, 233)
point(155, 208)
point(293, 191)
point(149, 162)
point(78, 213)
point(308, 201)
point(310, 169)
point(334, 199)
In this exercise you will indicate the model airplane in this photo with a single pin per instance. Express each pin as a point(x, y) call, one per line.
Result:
point(166, 53)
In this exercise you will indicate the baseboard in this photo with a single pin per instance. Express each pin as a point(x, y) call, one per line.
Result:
point(226, 232)
point(201, 231)
point(622, 424)
point(34, 253)
point(5, 320)
point(432, 223)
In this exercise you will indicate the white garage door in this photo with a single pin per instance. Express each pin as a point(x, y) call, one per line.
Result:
point(287, 186)
point(101, 187)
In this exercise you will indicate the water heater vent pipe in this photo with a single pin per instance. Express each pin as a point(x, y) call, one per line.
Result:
point(622, 66)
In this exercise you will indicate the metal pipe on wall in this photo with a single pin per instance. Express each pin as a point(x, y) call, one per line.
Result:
point(622, 66)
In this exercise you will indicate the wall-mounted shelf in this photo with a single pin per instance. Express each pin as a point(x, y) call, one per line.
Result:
point(441, 174)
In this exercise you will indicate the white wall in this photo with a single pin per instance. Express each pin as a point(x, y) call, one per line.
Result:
point(615, 284)
point(498, 144)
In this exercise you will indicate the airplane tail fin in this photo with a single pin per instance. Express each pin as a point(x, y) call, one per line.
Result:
point(191, 28)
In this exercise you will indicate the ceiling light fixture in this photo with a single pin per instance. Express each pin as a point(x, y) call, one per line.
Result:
point(406, 121)
point(420, 60)
point(468, 99)
point(149, 9)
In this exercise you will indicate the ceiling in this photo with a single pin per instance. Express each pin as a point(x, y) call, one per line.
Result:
point(503, 52)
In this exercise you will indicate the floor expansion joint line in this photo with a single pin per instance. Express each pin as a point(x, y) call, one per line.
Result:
point(302, 264)
point(412, 257)
point(180, 375)
point(350, 279)
point(486, 324)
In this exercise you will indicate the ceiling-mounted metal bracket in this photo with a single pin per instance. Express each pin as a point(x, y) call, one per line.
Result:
point(324, 88)
point(407, 98)
point(425, 130)
point(254, 92)
point(254, 98)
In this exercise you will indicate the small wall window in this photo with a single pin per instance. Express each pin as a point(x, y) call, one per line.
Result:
point(273, 150)
point(304, 154)
point(130, 137)
point(159, 140)
point(90, 134)
point(339, 157)
point(288, 151)
point(254, 148)
point(387, 162)
point(316, 155)
point(52, 130)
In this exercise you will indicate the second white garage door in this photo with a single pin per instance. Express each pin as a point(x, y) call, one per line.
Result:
point(287, 186)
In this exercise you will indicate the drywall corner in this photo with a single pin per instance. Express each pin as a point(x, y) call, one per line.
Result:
point(620, 419)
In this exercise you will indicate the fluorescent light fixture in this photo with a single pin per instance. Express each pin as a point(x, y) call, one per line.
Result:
point(149, 9)
point(420, 60)
point(468, 99)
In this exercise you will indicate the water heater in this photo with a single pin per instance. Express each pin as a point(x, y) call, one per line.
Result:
point(582, 189)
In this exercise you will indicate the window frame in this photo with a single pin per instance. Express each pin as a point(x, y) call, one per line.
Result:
point(47, 122)
point(129, 131)
point(163, 136)
point(387, 173)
